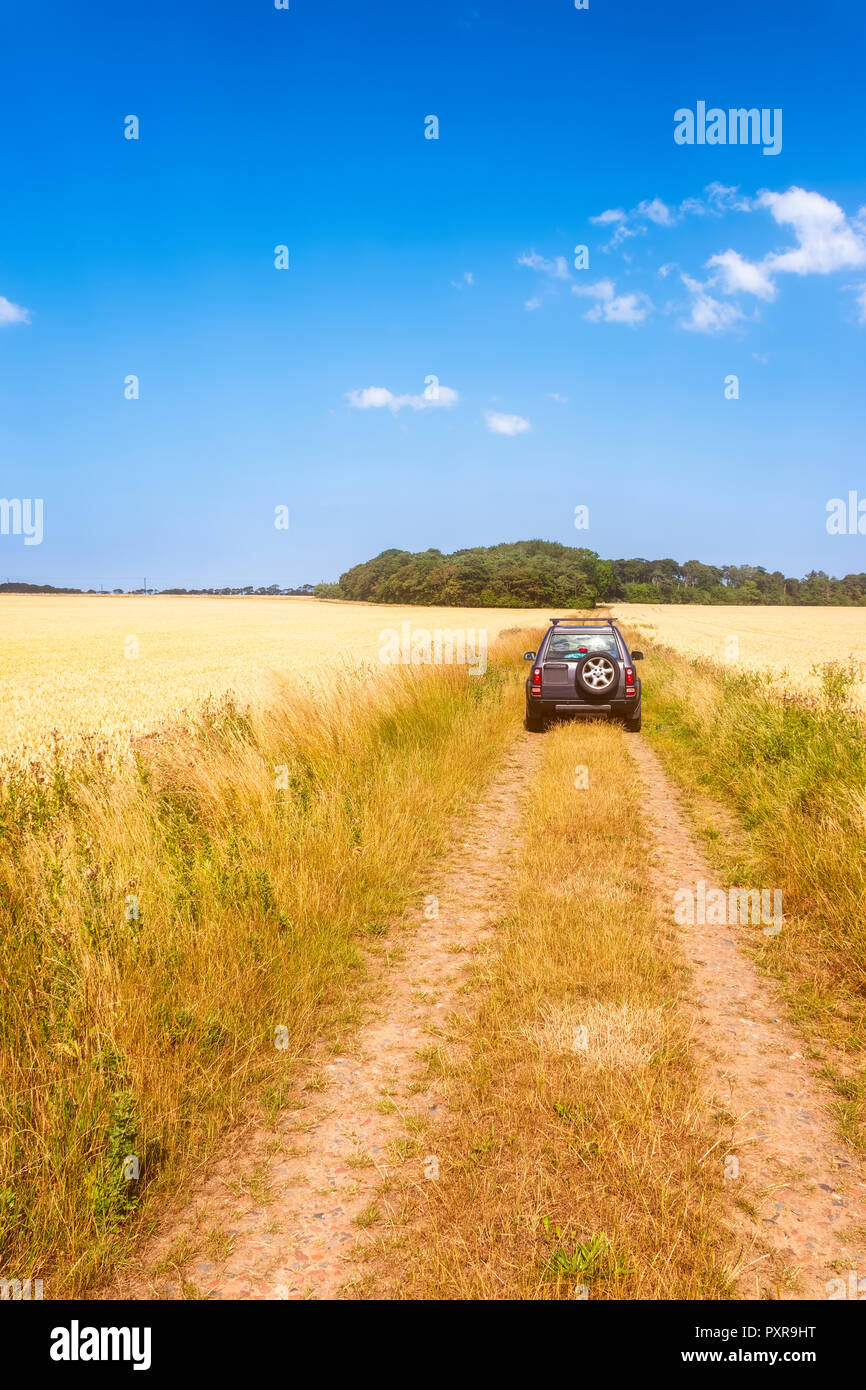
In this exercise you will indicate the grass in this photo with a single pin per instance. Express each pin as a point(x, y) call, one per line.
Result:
point(778, 789)
point(577, 1159)
point(369, 1216)
point(178, 932)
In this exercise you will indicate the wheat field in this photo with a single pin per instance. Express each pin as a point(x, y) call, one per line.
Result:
point(789, 642)
point(98, 670)
point(91, 671)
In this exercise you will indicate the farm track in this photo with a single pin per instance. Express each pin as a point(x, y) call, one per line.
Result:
point(805, 1188)
point(292, 1230)
point(285, 1201)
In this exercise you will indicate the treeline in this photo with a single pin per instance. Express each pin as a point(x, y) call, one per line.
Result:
point(273, 589)
point(533, 574)
point(13, 587)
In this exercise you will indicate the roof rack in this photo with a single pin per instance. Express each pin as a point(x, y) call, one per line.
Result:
point(581, 622)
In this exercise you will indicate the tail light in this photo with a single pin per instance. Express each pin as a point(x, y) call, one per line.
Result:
point(536, 681)
point(629, 681)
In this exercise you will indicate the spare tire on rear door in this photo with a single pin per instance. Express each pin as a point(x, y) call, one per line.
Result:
point(596, 674)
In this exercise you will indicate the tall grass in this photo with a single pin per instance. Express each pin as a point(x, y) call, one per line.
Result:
point(176, 935)
point(790, 777)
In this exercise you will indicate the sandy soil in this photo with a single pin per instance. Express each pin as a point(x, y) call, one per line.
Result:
point(806, 1189)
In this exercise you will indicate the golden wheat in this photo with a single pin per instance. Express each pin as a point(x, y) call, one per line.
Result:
point(99, 669)
point(789, 642)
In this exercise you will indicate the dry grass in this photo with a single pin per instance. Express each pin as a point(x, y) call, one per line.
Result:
point(576, 1152)
point(778, 790)
point(96, 670)
point(163, 924)
point(611, 1037)
point(788, 642)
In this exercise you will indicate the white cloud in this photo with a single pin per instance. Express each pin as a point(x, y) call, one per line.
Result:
point(613, 308)
point(623, 231)
point(558, 267)
point(468, 279)
point(722, 197)
point(379, 398)
point(555, 396)
point(611, 215)
point(625, 308)
point(533, 303)
point(506, 424)
point(741, 275)
point(656, 211)
point(708, 315)
point(719, 198)
point(827, 241)
point(602, 289)
point(12, 313)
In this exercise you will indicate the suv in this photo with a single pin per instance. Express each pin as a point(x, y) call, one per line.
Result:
point(583, 666)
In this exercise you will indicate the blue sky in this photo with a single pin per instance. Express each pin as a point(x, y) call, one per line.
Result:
point(412, 257)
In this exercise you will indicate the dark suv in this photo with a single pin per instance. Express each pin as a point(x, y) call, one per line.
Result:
point(583, 667)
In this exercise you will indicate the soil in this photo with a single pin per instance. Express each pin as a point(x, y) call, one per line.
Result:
point(799, 1202)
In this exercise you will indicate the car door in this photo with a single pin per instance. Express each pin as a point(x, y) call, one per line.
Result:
point(557, 676)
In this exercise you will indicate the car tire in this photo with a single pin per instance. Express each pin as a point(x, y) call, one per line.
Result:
point(594, 692)
point(632, 726)
point(533, 722)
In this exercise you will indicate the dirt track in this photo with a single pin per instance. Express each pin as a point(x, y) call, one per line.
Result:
point(287, 1208)
point(806, 1189)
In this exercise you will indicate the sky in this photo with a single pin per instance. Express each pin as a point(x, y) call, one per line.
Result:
point(432, 369)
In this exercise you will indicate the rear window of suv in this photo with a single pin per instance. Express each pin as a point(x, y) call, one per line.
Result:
point(568, 646)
